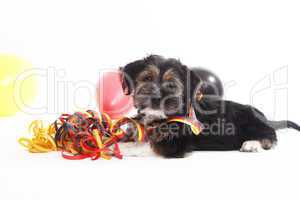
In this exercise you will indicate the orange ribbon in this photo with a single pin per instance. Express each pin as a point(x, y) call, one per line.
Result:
point(86, 135)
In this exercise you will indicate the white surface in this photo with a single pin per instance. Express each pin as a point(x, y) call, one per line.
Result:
point(243, 42)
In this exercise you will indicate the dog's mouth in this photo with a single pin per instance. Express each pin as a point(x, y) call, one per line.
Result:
point(155, 123)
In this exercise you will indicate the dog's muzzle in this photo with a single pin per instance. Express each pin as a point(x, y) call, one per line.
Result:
point(152, 116)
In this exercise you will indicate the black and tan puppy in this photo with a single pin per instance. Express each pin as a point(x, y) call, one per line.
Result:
point(165, 88)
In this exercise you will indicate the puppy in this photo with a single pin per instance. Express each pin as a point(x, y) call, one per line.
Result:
point(165, 88)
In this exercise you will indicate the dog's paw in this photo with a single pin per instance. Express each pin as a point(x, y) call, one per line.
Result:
point(162, 135)
point(267, 144)
point(251, 146)
point(134, 149)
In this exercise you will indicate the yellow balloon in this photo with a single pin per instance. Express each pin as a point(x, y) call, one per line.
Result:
point(13, 87)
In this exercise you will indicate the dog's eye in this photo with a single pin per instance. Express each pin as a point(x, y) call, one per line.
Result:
point(147, 78)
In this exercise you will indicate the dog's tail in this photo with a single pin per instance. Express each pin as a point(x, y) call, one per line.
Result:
point(284, 124)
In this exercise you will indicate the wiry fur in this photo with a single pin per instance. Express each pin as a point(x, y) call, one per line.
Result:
point(164, 88)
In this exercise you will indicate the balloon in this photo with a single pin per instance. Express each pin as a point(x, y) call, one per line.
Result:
point(110, 96)
point(212, 83)
point(10, 68)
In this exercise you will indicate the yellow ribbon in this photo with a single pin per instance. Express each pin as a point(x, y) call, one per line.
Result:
point(195, 127)
point(42, 140)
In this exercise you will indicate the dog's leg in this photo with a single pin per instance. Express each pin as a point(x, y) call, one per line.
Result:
point(170, 141)
point(135, 149)
point(258, 134)
point(169, 148)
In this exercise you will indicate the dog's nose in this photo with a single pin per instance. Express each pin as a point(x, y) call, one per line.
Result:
point(155, 101)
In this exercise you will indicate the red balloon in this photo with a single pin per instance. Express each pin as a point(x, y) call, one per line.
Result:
point(110, 96)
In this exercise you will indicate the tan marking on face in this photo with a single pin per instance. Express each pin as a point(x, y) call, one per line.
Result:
point(169, 75)
point(149, 74)
point(172, 75)
point(199, 95)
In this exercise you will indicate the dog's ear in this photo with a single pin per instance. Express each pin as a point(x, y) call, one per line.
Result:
point(189, 79)
point(195, 85)
point(127, 89)
point(129, 73)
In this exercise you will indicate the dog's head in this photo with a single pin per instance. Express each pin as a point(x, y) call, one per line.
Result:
point(161, 88)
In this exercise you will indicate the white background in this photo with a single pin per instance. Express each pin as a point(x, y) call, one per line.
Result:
point(252, 45)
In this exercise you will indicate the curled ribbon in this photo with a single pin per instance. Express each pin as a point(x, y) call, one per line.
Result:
point(195, 126)
point(43, 138)
point(86, 135)
point(81, 135)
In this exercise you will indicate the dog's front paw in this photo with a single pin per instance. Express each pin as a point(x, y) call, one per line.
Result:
point(168, 141)
point(168, 148)
point(161, 133)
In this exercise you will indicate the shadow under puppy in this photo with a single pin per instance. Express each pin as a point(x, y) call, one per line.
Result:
point(165, 88)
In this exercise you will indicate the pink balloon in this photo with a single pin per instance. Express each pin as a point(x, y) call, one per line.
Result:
point(110, 96)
